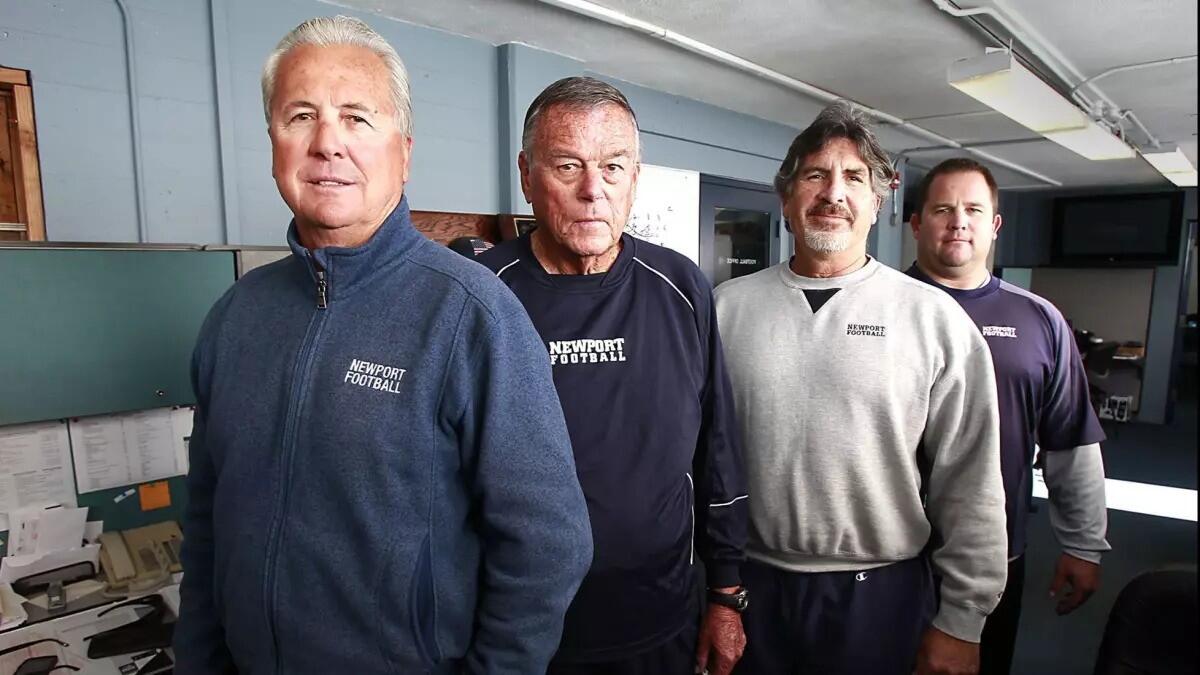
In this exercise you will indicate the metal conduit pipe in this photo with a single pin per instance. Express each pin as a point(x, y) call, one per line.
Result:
point(1134, 66)
point(1129, 114)
point(1046, 53)
point(1151, 139)
point(135, 125)
point(594, 11)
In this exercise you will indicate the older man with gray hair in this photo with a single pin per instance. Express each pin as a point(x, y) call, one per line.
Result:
point(867, 405)
point(381, 477)
point(632, 338)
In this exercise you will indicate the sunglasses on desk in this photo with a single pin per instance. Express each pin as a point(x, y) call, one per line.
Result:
point(38, 665)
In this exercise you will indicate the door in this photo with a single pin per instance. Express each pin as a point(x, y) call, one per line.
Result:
point(740, 231)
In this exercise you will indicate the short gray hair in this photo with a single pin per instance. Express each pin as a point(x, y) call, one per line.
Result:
point(578, 92)
point(840, 119)
point(327, 31)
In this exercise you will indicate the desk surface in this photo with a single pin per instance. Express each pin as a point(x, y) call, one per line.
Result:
point(1130, 354)
point(73, 629)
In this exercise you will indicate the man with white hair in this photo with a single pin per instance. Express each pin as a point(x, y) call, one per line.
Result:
point(381, 477)
point(867, 405)
point(632, 339)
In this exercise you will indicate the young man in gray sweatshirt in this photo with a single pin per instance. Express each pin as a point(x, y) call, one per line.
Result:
point(867, 405)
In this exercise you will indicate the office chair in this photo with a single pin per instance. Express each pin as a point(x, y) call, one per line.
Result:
point(1097, 362)
point(1152, 627)
point(1085, 340)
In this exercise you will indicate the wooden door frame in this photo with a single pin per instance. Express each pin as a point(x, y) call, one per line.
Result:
point(28, 173)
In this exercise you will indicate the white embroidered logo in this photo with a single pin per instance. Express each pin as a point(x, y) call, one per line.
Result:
point(376, 376)
point(861, 576)
point(999, 331)
point(564, 352)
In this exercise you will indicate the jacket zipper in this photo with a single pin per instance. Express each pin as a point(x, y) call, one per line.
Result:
point(303, 367)
point(322, 289)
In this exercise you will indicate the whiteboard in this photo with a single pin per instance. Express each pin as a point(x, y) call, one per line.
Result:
point(666, 210)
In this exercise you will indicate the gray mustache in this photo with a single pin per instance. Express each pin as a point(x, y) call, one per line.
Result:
point(830, 211)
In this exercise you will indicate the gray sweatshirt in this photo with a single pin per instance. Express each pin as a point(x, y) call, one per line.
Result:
point(870, 427)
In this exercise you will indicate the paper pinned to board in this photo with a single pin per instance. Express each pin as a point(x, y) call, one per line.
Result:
point(37, 467)
point(154, 495)
point(666, 210)
point(116, 450)
point(181, 424)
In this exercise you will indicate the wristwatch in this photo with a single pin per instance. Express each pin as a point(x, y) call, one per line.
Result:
point(738, 600)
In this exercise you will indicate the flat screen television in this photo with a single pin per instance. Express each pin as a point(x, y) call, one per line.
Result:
point(1135, 229)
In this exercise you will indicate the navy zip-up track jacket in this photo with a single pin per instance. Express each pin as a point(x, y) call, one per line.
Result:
point(381, 478)
point(638, 365)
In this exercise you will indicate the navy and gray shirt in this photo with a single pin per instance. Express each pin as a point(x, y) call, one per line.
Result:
point(639, 370)
point(1043, 390)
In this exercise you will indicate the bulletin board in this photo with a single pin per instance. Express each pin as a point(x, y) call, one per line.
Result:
point(96, 331)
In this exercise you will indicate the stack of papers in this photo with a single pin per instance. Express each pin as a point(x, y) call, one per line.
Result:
point(43, 539)
point(41, 530)
point(12, 614)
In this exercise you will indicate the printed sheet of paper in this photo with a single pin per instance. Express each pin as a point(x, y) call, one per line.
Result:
point(181, 422)
point(666, 210)
point(115, 450)
point(36, 461)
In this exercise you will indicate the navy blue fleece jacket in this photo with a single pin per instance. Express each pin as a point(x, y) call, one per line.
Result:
point(381, 477)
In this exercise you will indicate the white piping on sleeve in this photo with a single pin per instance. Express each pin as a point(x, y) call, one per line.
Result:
point(730, 502)
point(664, 278)
point(691, 507)
point(501, 270)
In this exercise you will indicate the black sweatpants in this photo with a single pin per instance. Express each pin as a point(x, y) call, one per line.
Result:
point(836, 623)
point(999, 639)
point(676, 656)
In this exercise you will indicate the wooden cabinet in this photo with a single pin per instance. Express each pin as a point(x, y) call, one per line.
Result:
point(21, 214)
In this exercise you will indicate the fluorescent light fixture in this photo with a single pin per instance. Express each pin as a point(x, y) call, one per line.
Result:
point(998, 81)
point(1173, 161)
point(1092, 141)
point(1174, 166)
point(1184, 179)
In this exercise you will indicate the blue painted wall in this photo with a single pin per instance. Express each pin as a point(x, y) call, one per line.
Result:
point(206, 157)
point(76, 53)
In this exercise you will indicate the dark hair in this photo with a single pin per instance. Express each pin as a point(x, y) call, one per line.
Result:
point(839, 119)
point(956, 165)
point(575, 92)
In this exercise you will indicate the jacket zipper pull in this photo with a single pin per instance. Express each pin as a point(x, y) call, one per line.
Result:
point(322, 290)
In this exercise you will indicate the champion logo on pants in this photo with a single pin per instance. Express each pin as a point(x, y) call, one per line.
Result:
point(861, 576)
